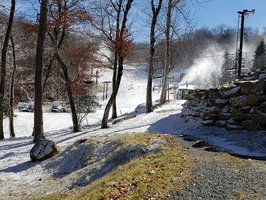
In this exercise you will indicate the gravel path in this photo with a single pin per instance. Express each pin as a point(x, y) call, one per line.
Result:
point(219, 176)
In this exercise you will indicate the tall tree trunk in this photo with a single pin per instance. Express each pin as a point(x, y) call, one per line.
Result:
point(3, 61)
point(118, 16)
point(11, 92)
point(114, 108)
point(155, 13)
point(119, 51)
point(76, 127)
point(114, 93)
point(48, 71)
point(38, 114)
point(167, 53)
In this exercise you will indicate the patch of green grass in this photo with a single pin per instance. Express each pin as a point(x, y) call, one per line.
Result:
point(154, 175)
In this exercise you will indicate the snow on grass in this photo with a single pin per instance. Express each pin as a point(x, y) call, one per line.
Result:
point(17, 172)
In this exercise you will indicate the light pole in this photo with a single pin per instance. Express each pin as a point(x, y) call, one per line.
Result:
point(242, 14)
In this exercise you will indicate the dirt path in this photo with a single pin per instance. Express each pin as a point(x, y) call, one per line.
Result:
point(220, 176)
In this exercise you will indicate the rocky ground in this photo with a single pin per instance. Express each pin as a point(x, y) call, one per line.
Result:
point(220, 176)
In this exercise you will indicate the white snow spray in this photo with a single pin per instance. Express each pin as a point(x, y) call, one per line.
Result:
point(206, 69)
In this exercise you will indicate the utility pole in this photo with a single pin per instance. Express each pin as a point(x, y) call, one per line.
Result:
point(242, 15)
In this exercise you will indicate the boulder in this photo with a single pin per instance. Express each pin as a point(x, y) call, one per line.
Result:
point(43, 149)
point(239, 116)
point(214, 93)
point(251, 125)
point(262, 76)
point(253, 100)
point(231, 92)
point(220, 123)
point(225, 116)
point(226, 109)
point(239, 102)
point(262, 107)
point(209, 116)
point(232, 127)
point(249, 78)
point(221, 102)
point(252, 87)
point(258, 116)
point(208, 122)
point(245, 109)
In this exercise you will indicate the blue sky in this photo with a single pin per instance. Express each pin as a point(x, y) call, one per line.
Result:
point(215, 12)
point(208, 14)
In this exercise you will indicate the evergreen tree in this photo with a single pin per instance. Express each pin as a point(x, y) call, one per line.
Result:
point(227, 72)
point(259, 57)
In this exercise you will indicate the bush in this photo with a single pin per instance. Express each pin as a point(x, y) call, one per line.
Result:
point(85, 104)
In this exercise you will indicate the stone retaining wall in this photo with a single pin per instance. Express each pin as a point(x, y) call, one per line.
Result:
point(236, 106)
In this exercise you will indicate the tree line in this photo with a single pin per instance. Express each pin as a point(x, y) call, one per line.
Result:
point(53, 50)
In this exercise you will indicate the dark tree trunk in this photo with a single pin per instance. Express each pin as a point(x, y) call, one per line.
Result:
point(114, 109)
point(119, 51)
point(155, 13)
point(114, 93)
point(167, 53)
point(76, 127)
point(11, 92)
point(38, 114)
point(48, 71)
point(3, 61)
point(118, 16)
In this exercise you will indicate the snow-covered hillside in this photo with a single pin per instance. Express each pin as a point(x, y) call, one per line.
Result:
point(131, 94)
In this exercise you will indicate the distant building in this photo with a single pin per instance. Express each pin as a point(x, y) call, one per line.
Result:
point(183, 90)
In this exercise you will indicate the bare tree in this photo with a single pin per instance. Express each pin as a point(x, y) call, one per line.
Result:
point(3, 60)
point(38, 114)
point(122, 48)
point(11, 91)
point(155, 13)
point(62, 15)
point(170, 6)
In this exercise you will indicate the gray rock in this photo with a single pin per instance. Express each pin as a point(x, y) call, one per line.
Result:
point(231, 92)
point(221, 102)
point(251, 87)
point(258, 116)
point(262, 107)
point(251, 125)
point(220, 123)
point(226, 109)
point(245, 109)
point(225, 116)
point(262, 76)
point(253, 100)
point(43, 149)
point(239, 102)
point(238, 116)
point(208, 122)
point(249, 78)
point(234, 127)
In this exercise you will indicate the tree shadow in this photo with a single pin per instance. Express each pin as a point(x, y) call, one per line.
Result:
point(19, 167)
point(16, 145)
point(6, 155)
point(78, 156)
point(92, 161)
point(120, 157)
